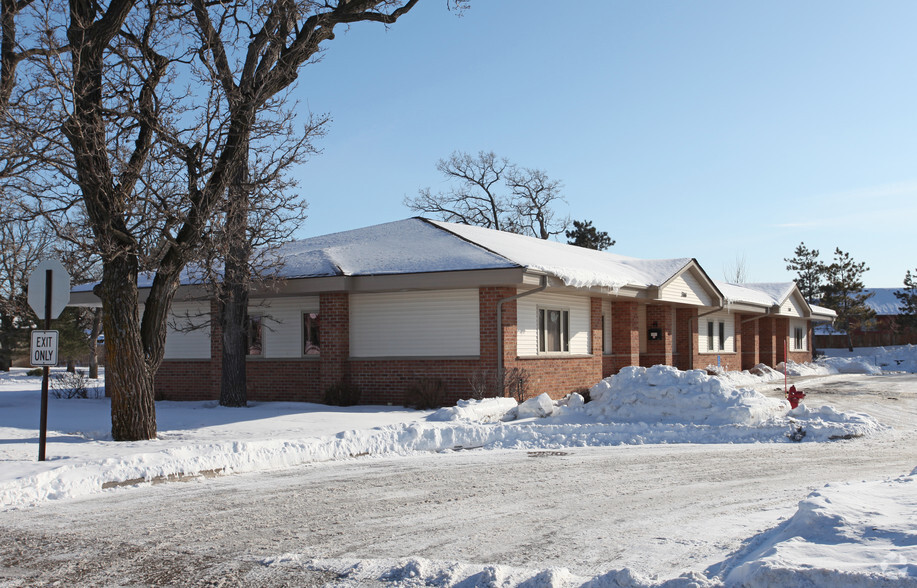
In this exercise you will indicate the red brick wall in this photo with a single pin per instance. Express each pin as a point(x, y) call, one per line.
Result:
point(187, 380)
point(384, 381)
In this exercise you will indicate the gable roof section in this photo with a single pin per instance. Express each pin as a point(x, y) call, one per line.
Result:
point(691, 285)
point(775, 297)
point(402, 247)
point(576, 267)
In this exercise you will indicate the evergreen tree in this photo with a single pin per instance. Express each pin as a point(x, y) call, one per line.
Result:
point(73, 326)
point(843, 292)
point(809, 272)
point(907, 302)
point(583, 234)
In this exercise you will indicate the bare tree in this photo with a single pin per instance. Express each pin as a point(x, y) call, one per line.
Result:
point(261, 214)
point(23, 244)
point(736, 273)
point(489, 191)
point(119, 138)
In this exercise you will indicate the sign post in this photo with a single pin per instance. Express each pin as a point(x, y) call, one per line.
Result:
point(49, 293)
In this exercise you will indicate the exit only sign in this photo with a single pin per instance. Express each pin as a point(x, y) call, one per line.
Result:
point(44, 348)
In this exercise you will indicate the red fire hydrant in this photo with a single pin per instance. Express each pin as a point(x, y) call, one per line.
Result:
point(794, 396)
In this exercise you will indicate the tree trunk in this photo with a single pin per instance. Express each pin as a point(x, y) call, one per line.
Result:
point(235, 289)
point(129, 379)
point(94, 343)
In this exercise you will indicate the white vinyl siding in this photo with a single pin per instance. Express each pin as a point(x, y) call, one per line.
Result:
point(527, 321)
point(722, 326)
point(188, 344)
point(437, 323)
point(282, 324)
point(792, 307)
point(799, 336)
point(686, 289)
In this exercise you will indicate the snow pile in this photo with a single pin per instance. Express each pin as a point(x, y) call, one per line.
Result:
point(856, 534)
point(637, 406)
point(485, 410)
point(902, 358)
point(417, 572)
point(859, 535)
point(664, 394)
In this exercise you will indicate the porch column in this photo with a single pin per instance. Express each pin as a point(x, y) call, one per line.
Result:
point(625, 334)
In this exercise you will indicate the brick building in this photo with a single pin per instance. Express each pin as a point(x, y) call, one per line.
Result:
point(383, 306)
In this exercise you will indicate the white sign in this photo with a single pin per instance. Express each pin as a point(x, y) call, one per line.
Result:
point(60, 288)
point(44, 348)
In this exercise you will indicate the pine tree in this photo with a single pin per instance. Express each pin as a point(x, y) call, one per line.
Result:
point(843, 292)
point(583, 234)
point(907, 302)
point(73, 331)
point(809, 272)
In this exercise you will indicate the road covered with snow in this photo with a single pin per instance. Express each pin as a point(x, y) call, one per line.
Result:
point(664, 478)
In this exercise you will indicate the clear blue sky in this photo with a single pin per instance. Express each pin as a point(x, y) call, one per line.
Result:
point(708, 129)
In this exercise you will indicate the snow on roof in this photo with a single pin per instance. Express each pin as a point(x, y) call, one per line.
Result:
point(883, 300)
point(575, 266)
point(822, 310)
point(407, 246)
point(767, 294)
point(744, 293)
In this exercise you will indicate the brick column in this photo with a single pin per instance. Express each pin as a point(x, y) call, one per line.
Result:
point(595, 324)
point(687, 338)
point(625, 334)
point(334, 308)
point(781, 335)
point(767, 341)
point(660, 317)
point(487, 312)
point(750, 342)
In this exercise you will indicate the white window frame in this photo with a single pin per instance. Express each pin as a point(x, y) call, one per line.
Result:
point(717, 335)
point(541, 318)
point(315, 350)
point(799, 331)
point(259, 319)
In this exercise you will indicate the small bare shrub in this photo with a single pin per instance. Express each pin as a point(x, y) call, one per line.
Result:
point(516, 383)
point(75, 385)
point(342, 394)
point(425, 392)
point(485, 384)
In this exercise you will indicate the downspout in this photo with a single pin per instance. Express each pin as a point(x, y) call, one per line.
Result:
point(544, 284)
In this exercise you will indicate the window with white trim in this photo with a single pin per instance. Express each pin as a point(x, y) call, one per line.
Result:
point(553, 330)
point(719, 334)
point(311, 343)
point(254, 332)
point(798, 339)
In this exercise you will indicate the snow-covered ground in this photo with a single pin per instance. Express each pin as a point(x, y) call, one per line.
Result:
point(862, 533)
